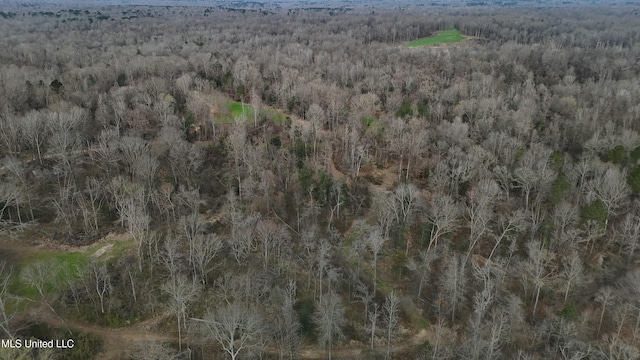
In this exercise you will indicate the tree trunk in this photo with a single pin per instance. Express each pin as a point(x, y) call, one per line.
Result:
point(566, 292)
point(535, 304)
point(600, 323)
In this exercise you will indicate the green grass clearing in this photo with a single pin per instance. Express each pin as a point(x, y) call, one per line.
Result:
point(370, 123)
point(443, 37)
point(56, 268)
point(373, 125)
point(237, 110)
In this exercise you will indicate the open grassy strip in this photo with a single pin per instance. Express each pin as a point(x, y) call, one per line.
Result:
point(443, 37)
point(56, 268)
point(237, 110)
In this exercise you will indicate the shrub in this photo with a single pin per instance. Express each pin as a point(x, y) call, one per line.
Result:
point(633, 179)
point(569, 311)
point(634, 156)
point(617, 155)
point(557, 160)
point(595, 211)
point(559, 189)
point(405, 110)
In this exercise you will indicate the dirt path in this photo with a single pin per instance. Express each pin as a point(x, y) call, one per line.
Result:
point(385, 178)
point(117, 342)
point(120, 342)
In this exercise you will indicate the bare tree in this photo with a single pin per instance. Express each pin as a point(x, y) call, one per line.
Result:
point(65, 204)
point(39, 275)
point(171, 256)
point(422, 267)
point(271, 234)
point(504, 178)
point(242, 234)
point(537, 269)
point(479, 217)
point(622, 313)
point(605, 297)
point(10, 130)
point(34, 131)
point(94, 190)
point(11, 194)
point(256, 103)
point(372, 329)
point(130, 274)
point(453, 283)
point(6, 314)
point(286, 327)
point(336, 105)
point(375, 243)
point(316, 117)
point(191, 227)
point(105, 150)
point(151, 350)
point(631, 291)
point(19, 172)
point(100, 281)
point(481, 303)
point(322, 263)
point(366, 297)
point(564, 215)
point(617, 349)
point(525, 178)
point(359, 244)
point(238, 328)
point(408, 199)
point(611, 188)
point(138, 221)
point(509, 225)
point(444, 339)
point(185, 159)
point(572, 272)
point(391, 307)
point(629, 233)
point(181, 291)
point(443, 215)
point(65, 136)
point(329, 320)
point(385, 211)
point(205, 249)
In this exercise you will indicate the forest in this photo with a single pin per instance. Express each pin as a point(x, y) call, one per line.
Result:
point(358, 180)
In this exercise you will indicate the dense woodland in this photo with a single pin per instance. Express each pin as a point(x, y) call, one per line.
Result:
point(297, 183)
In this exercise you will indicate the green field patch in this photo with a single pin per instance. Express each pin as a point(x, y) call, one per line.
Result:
point(50, 270)
point(443, 37)
point(370, 122)
point(238, 110)
point(56, 269)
